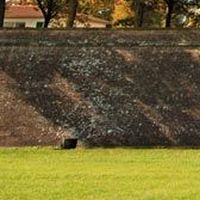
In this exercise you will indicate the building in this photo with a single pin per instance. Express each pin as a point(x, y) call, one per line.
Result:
point(88, 21)
point(23, 16)
point(81, 21)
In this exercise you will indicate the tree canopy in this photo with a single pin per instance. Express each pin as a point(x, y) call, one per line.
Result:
point(122, 13)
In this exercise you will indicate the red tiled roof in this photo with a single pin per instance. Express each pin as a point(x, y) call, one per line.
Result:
point(23, 11)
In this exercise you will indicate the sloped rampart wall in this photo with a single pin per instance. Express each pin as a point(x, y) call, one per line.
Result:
point(107, 87)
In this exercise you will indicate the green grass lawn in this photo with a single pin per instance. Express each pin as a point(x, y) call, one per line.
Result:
point(99, 174)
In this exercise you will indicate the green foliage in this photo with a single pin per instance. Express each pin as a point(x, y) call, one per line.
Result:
point(99, 8)
point(100, 174)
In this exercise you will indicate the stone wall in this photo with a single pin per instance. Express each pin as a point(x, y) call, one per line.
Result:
point(107, 87)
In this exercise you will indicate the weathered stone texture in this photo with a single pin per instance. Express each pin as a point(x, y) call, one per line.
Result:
point(107, 87)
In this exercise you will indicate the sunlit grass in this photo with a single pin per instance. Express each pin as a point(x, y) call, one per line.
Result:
point(99, 174)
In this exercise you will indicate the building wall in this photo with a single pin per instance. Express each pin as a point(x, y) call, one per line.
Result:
point(90, 25)
point(30, 23)
point(61, 23)
point(107, 87)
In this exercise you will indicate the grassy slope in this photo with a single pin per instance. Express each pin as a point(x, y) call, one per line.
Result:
point(96, 174)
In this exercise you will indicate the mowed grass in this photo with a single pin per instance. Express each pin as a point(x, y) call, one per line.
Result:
point(99, 174)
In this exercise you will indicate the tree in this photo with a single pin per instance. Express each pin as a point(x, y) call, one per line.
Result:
point(194, 14)
point(2, 12)
point(98, 8)
point(72, 9)
point(122, 13)
point(160, 13)
point(144, 12)
point(50, 9)
point(139, 6)
point(170, 7)
point(178, 7)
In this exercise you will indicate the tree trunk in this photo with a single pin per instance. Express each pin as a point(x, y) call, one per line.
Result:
point(73, 5)
point(170, 6)
point(47, 18)
point(46, 22)
point(2, 12)
point(139, 14)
